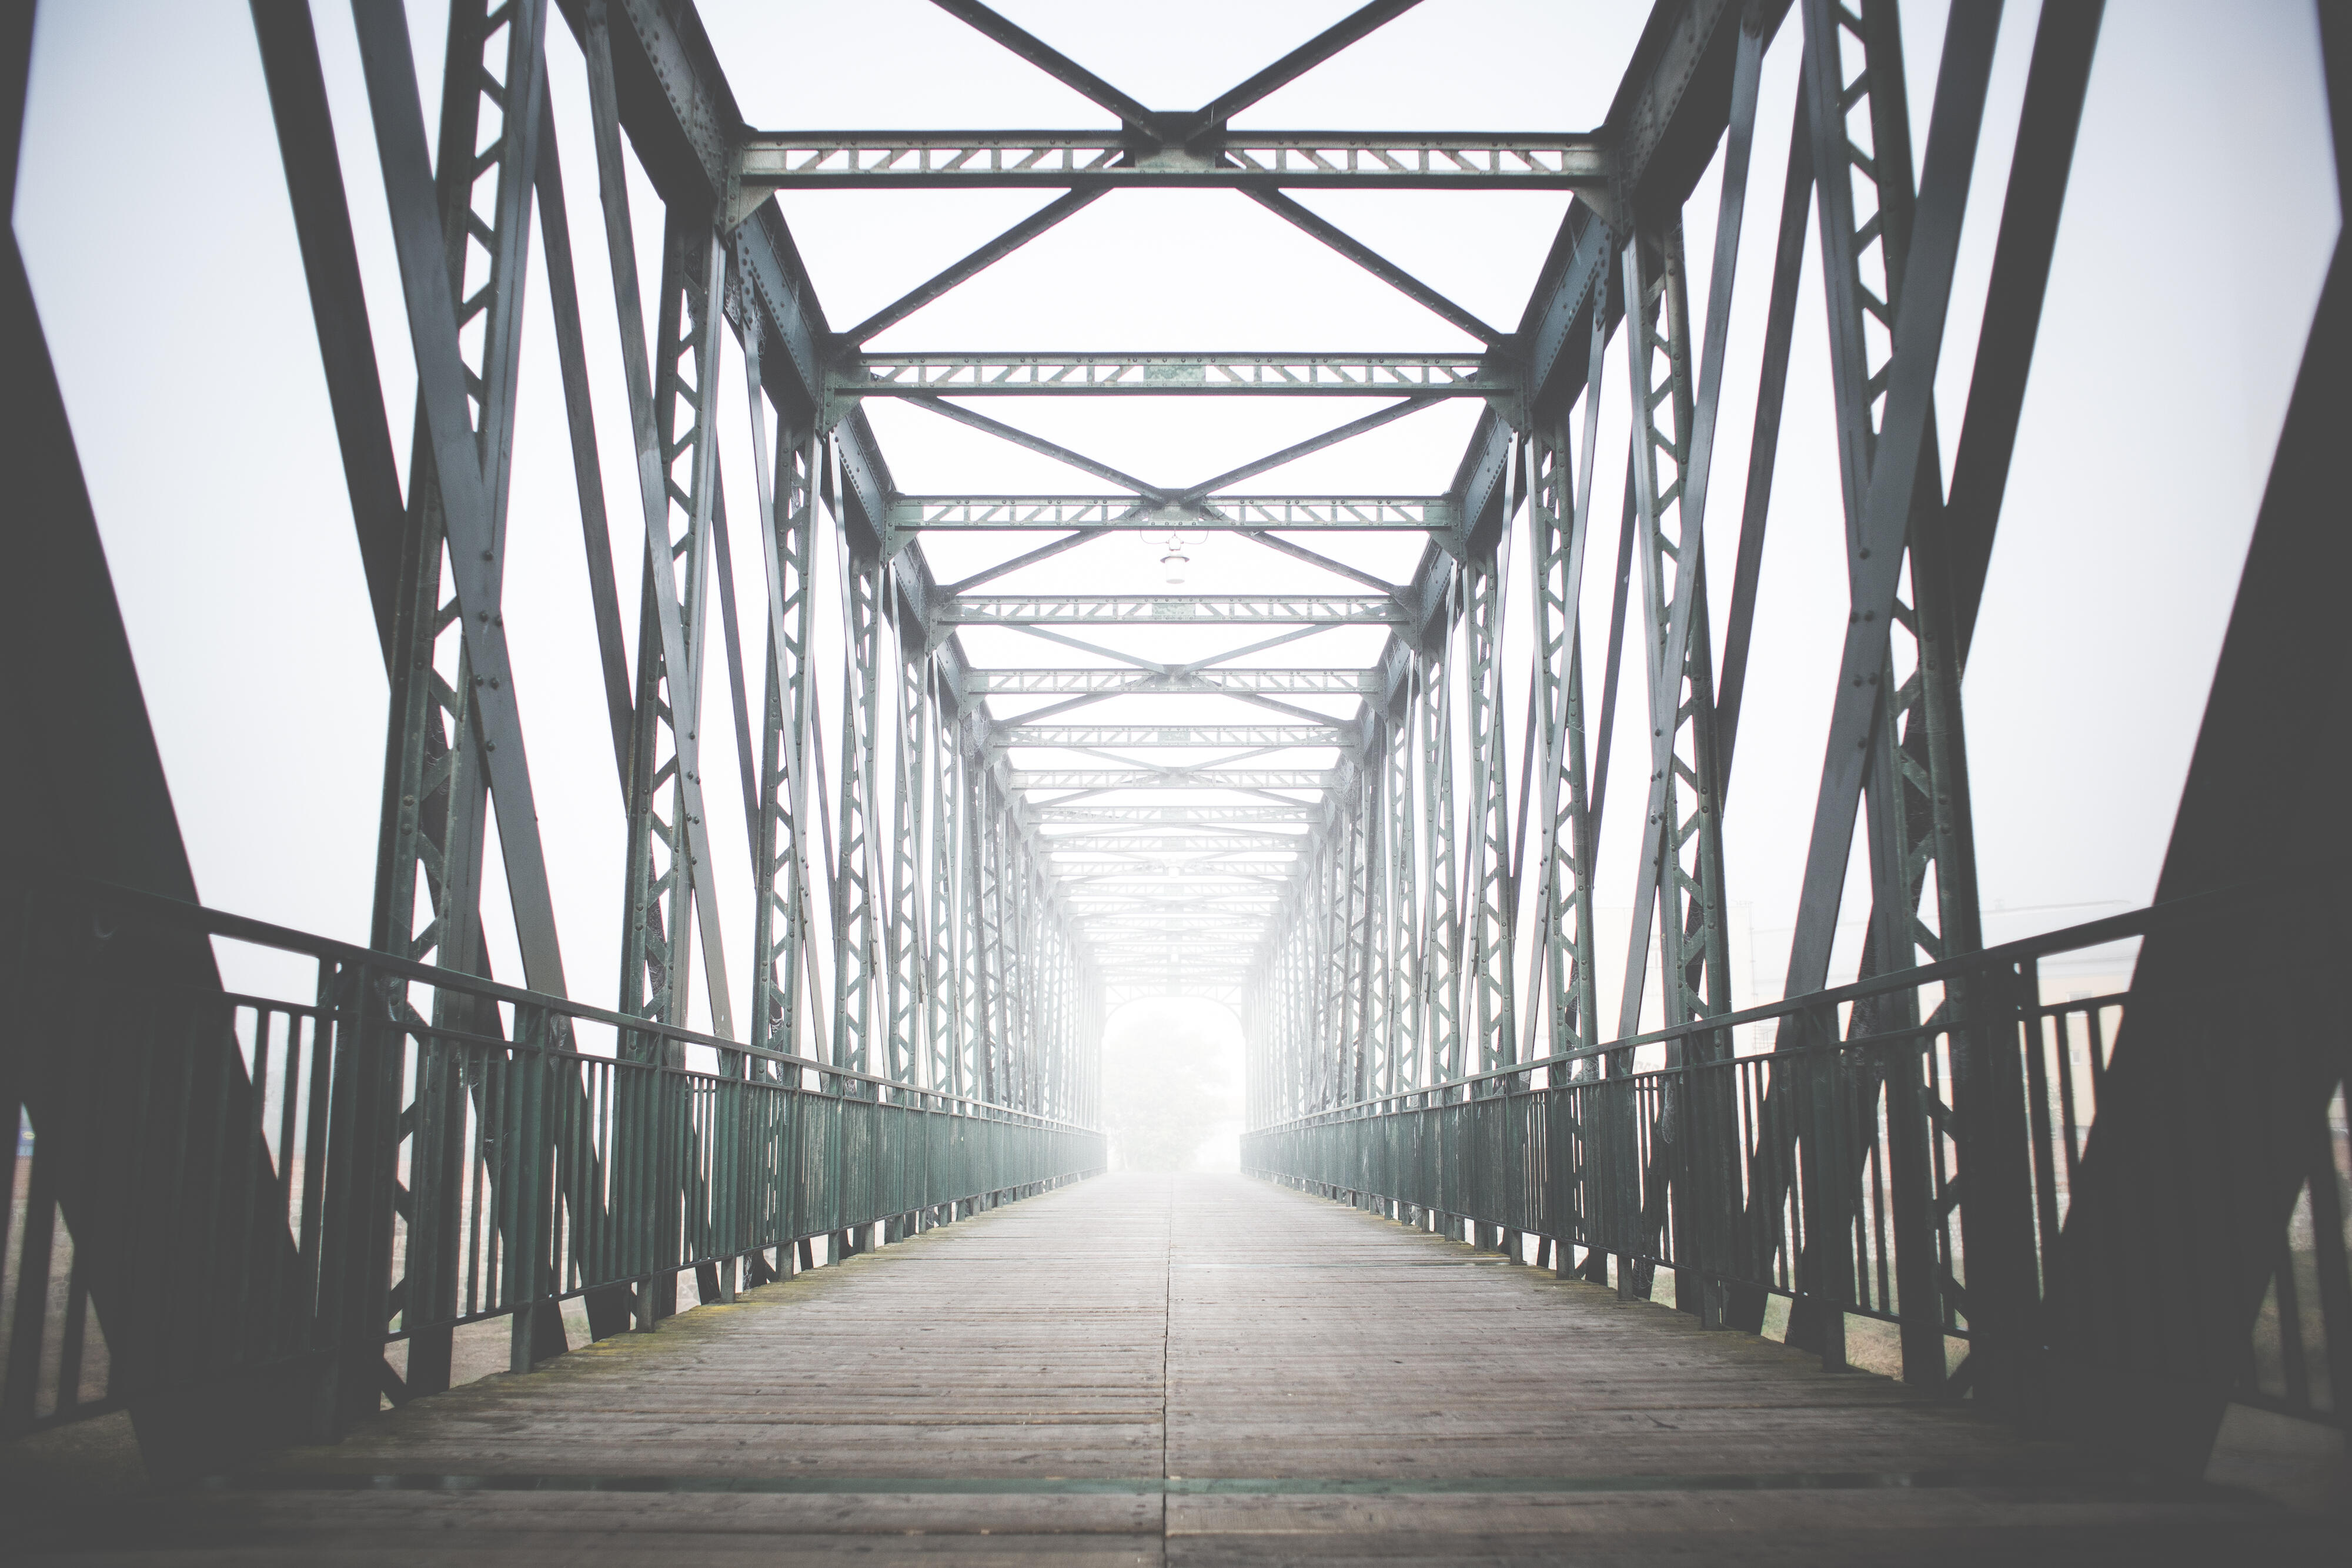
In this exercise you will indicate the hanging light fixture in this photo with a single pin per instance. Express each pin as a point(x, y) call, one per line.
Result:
point(1174, 560)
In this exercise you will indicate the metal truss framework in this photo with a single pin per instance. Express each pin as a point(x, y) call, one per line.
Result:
point(1350, 514)
point(1167, 375)
point(871, 159)
point(1092, 609)
point(1397, 888)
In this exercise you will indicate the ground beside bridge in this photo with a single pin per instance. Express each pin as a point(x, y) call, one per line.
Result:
point(1189, 1369)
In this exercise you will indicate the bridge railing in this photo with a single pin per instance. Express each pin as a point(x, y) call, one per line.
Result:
point(1911, 1149)
point(225, 1207)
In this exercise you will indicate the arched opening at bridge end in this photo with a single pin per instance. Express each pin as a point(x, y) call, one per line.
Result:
point(1171, 1085)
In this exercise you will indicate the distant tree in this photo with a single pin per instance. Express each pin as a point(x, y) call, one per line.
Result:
point(1168, 1087)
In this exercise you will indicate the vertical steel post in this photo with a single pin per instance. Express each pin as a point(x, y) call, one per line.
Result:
point(1487, 975)
point(666, 886)
point(1681, 870)
point(435, 819)
point(856, 941)
point(1563, 928)
point(1401, 969)
point(1441, 924)
point(905, 945)
point(783, 919)
point(1893, 499)
point(944, 938)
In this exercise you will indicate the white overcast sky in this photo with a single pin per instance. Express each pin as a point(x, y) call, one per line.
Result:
point(153, 212)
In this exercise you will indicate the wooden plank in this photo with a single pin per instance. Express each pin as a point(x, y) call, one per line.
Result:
point(1177, 1369)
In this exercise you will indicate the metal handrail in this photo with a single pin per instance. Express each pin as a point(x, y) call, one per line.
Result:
point(1923, 1172)
point(264, 934)
point(282, 1190)
point(2088, 934)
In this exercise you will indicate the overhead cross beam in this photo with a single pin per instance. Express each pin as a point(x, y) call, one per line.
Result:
point(1175, 873)
point(1165, 817)
point(1130, 736)
point(1040, 682)
point(1146, 841)
point(1173, 779)
point(1379, 265)
point(1156, 496)
point(1211, 116)
point(1093, 159)
point(1362, 425)
point(1172, 608)
point(962, 375)
point(1241, 898)
point(944, 282)
point(1010, 514)
point(1037, 443)
point(1049, 60)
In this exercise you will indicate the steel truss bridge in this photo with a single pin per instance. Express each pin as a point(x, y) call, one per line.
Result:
point(2078, 1215)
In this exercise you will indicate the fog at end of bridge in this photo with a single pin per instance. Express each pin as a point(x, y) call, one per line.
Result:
point(1171, 1092)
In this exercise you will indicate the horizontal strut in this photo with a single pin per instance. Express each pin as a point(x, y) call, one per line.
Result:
point(909, 514)
point(1205, 736)
point(1174, 779)
point(1072, 682)
point(1157, 374)
point(1298, 160)
point(1245, 609)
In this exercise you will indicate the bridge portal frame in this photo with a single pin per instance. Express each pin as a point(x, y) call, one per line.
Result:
point(949, 960)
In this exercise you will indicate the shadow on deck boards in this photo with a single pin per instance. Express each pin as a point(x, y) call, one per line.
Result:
point(1146, 1369)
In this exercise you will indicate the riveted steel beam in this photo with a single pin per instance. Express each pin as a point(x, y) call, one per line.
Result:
point(1002, 1026)
point(1174, 779)
point(1112, 681)
point(1188, 951)
point(468, 486)
point(1089, 160)
point(1355, 25)
point(1172, 816)
point(1239, 609)
point(1047, 58)
point(966, 374)
point(1142, 879)
point(1208, 913)
point(1145, 895)
point(1132, 737)
point(1164, 840)
point(1353, 514)
point(970, 267)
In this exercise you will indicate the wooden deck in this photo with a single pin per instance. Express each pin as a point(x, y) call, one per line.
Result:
point(1184, 1370)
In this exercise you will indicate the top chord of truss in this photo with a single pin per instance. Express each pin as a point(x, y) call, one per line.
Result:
point(1054, 513)
point(838, 160)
